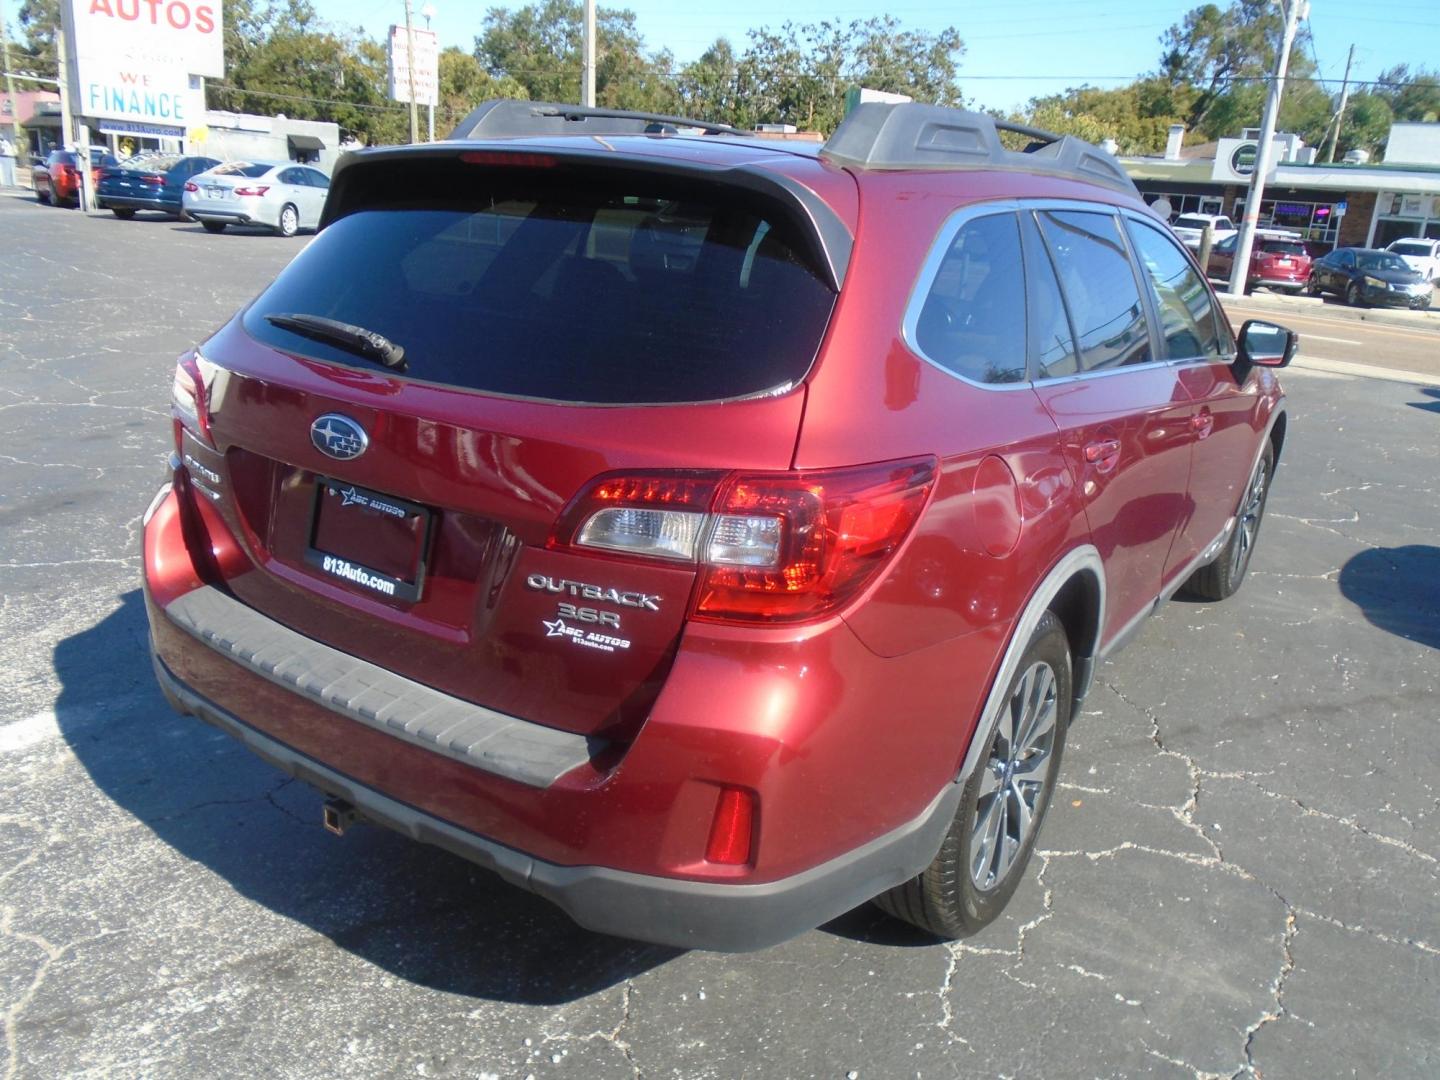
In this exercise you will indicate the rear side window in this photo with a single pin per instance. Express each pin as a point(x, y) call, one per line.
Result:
point(1052, 344)
point(973, 320)
point(1185, 306)
point(566, 286)
point(1099, 286)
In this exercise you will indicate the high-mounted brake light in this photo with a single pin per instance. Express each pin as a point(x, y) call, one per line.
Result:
point(772, 547)
point(258, 189)
point(517, 159)
point(189, 397)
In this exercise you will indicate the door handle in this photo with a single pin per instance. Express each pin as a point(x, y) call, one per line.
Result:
point(1104, 454)
point(1202, 423)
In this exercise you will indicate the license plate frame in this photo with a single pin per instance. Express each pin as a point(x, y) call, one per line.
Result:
point(352, 568)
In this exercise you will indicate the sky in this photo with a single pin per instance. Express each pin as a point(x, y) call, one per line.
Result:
point(1012, 53)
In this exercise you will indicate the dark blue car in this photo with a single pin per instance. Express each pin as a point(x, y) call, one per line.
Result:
point(151, 182)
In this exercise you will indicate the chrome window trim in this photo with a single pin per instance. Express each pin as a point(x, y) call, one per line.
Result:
point(940, 247)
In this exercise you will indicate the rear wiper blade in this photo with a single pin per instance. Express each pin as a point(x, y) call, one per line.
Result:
point(347, 335)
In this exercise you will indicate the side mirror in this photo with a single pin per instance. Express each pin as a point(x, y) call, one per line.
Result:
point(1267, 345)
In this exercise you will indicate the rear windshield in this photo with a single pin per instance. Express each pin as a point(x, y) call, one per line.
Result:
point(1412, 248)
point(1282, 247)
point(241, 168)
point(581, 290)
point(1186, 222)
point(153, 163)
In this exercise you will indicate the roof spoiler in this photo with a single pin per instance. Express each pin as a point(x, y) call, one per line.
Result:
point(507, 119)
point(915, 136)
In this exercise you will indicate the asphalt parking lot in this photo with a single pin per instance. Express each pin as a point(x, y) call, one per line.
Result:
point(1239, 877)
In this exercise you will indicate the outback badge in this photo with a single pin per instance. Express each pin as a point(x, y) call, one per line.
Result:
point(338, 437)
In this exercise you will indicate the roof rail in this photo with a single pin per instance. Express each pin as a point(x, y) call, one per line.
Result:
point(914, 136)
point(506, 119)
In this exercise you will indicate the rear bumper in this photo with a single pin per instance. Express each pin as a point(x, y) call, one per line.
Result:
point(850, 770)
point(229, 217)
point(129, 202)
point(667, 911)
point(1291, 284)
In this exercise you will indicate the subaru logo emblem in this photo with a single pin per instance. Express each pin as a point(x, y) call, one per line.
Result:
point(338, 436)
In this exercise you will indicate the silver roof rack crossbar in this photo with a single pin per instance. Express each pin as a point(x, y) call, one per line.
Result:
point(505, 119)
point(915, 136)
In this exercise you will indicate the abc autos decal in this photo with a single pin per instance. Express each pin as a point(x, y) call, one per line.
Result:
point(134, 59)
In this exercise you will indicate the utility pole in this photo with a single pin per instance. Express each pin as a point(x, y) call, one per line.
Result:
point(410, 70)
point(62, 74)
point(1340, 113)
point(587, 87)
point(9, 79)
point(1245, 242)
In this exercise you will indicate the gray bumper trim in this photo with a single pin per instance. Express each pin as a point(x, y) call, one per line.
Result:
point(667, 911)
point(368, 694)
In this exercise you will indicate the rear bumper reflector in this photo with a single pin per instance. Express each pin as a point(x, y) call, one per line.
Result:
point(516, 749)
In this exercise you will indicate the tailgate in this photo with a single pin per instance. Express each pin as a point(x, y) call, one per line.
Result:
point(410, 517)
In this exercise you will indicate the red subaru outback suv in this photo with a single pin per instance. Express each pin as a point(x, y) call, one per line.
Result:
point(706, 534)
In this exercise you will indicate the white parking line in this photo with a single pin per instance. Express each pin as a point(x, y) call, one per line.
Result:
point(1367, 371)
point(31, 731)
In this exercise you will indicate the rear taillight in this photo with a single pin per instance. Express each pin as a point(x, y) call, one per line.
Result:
point(153, 181)
point(189, 397)
point(771, 547)
point(259, 189)
point(190, 185)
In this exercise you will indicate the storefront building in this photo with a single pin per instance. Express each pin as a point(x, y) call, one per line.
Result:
point(1352, 204)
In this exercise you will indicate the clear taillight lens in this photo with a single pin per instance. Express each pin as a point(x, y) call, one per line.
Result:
point(668, 534)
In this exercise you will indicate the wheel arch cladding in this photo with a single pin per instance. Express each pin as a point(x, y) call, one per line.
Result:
point(1077, 606)
point(1277, 433)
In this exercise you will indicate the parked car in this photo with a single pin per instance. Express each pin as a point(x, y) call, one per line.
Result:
point(1191, 227)
point(1367, 277)
point(1421, 255)
point(708, 537)
point(56, 180)
point(148, 182)
point(1277, 262)
point(282, 196)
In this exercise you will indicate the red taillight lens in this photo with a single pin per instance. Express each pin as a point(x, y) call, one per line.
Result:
point(259, 189)
point(153, 181)
point(796, 546)
point(732, 828)
point(190, 185)
point(772, 547)
point(188, 397)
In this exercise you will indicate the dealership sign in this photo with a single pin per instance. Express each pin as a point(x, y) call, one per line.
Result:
point(425, 47)
point(133, 60)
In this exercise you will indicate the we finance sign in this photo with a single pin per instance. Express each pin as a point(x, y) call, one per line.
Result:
point(133, 59)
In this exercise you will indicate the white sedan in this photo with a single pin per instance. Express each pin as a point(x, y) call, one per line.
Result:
point(282, 196)
point(1421, 255)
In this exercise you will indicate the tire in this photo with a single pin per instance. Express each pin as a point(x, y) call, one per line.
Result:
point(1223, 577)
point(1312, 287)
point(213, 226)
point(967, 886)
point(1353, 296)
point(42, 196)
point(122, 214)
point(289, 221)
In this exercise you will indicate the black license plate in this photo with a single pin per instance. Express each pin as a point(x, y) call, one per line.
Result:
point(376, 542)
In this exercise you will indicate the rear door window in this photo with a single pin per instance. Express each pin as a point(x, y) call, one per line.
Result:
point(972, 322)
point(1100, 289)
point(1185, 306)
point(566, 286)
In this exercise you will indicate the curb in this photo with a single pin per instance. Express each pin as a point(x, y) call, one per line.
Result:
point(1307, 305)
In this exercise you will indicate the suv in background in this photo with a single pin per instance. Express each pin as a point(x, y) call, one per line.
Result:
point(1278, 261)
point(1191, 227)
point(1421, 255)
point(709, 536)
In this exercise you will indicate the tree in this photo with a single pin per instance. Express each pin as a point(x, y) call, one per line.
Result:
point(1411, 97)
point(1137, 117)
point(465, 84)
point(39, 22)
point(539, 47)
point(708, 87)
point(1366, 124)
point(1223, 56)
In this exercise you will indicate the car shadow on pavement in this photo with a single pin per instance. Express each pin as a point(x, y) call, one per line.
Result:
point(1397, 589)
point(1428, 406)
point(414, 911)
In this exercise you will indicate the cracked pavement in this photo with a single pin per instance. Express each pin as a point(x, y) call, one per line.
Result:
point(1239, 875)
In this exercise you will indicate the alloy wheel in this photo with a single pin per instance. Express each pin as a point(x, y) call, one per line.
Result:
point(1013, 782)
point(1249, 523)
point(289, 221)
